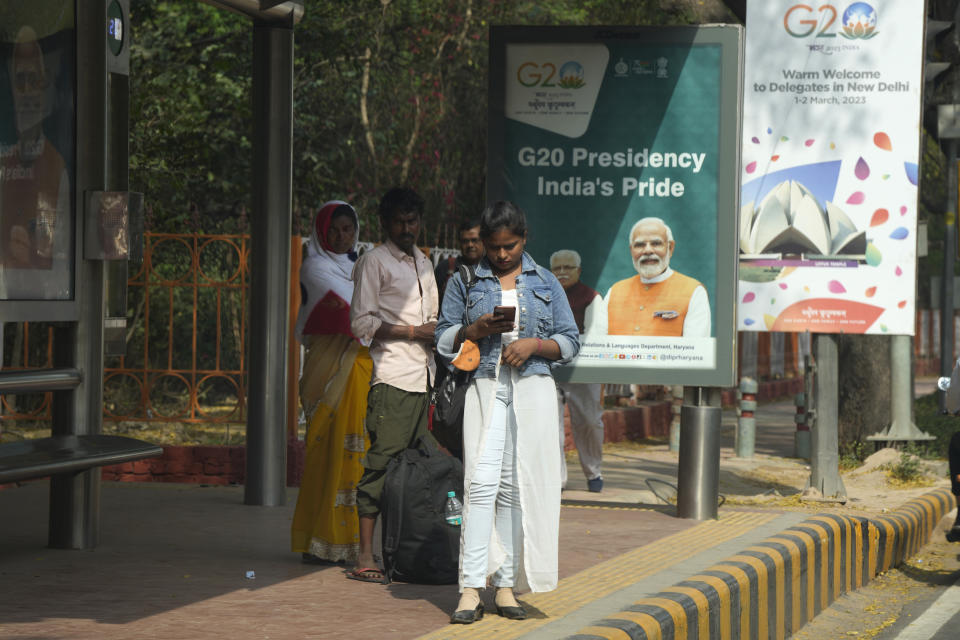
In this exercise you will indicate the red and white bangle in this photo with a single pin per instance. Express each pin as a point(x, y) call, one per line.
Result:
point(539, 344)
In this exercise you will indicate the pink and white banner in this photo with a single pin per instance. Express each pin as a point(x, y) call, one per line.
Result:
point(831, 138)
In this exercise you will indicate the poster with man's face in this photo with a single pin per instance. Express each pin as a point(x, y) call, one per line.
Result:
point(620, 145)
point(36, 150)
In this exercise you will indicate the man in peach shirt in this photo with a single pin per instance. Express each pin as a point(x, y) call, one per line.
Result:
point(395, 307)
point(658, 301)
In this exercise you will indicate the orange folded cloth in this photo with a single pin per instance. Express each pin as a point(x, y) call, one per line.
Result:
point(468, 358)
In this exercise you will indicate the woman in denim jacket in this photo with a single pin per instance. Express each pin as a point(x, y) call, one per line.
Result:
point(511, 453)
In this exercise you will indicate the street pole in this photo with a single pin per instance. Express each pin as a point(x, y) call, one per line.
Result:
point(825, 458)
point(949, 257)
point(698, 476)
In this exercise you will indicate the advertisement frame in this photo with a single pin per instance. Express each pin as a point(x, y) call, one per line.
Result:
point(730, 41)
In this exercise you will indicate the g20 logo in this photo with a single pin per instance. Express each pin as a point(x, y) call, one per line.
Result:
point(858, 21)
point(533, 74)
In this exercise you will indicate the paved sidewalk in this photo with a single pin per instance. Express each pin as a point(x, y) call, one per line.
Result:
point(173, 561)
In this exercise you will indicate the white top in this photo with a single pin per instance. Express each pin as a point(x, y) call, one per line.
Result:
point(391, 286)
point(509, 299)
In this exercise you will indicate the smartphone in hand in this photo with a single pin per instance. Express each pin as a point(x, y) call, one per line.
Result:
point(505, 313)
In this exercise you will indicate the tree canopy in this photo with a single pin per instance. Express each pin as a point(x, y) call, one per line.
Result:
point(386, 92)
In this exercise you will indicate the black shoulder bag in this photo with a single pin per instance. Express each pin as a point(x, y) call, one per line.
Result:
point(450, 394)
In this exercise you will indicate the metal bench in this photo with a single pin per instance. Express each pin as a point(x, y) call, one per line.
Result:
point(43, 457)
point(74, 496)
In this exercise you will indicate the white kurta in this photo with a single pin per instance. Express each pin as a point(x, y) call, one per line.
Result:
point(538, 472)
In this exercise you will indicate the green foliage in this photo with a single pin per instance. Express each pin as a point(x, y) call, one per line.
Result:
point(928, 419)
point(852, 455)
point(385, 92)
point(190, 113)
point(907, 470)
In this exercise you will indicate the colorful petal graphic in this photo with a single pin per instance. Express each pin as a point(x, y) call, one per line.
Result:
point(774, 158)
point(833, 146)
point(862, 170)
point(808, 142)
point(873, 255)
point(872, 291)
point(782, 285)
point(769, 320)
point(883, 327)
point(903, 211)
point(879, 217)
point(752, 167)
point(748, 321)
point(784, 138)
point(769, 130)
point(911, 169)
point(898, 271)
point(836, 287)
point(902, 304)
point(748, 297)
point(882, 140)
point(899, 233)
point(856, 197)
point(755, 140)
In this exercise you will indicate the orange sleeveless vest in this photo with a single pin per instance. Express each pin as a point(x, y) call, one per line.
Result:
point(633, 305)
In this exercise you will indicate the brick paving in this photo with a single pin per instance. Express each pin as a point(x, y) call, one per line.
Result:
point(172, 560)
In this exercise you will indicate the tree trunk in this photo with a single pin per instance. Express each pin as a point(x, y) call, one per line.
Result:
point(864, 394)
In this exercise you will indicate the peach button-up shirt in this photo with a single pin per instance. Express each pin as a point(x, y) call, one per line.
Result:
point(392, 287)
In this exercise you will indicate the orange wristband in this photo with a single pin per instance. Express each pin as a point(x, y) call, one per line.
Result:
point(410, 332)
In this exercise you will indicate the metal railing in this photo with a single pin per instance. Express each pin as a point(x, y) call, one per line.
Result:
point(186, 339)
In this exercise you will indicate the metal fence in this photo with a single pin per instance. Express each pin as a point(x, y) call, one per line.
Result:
point(186, 338)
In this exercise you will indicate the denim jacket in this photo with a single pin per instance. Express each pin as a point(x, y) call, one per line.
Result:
point(543, 313)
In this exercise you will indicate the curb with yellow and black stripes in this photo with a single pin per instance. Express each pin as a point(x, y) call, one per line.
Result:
point(769, 590)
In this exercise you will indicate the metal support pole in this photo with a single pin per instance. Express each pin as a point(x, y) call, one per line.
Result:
point(676, 402)
point(825, 461)
point(74, 520)
point(698, 476)
point(747, 424)
point(902, 428)
point(270, 254)
point(949, 257)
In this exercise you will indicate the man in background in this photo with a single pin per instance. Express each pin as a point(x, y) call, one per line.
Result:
point(586, 412)
point(471, 250)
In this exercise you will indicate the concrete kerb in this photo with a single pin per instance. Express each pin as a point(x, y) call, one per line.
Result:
point(771, 589)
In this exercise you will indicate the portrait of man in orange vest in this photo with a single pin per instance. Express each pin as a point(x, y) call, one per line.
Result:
point(34, 187)
point(658, 301)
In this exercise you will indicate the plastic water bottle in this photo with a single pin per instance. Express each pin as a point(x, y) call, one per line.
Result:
point(453, 510)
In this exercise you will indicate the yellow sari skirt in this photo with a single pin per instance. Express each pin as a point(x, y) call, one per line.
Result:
point(333, 393)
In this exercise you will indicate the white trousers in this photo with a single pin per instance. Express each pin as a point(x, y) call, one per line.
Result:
point(586, 423)
point(494, 498)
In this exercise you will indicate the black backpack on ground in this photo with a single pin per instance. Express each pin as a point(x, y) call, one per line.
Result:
point(418, 544)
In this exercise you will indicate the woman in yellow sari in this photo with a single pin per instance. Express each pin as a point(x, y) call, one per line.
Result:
point(333, 392)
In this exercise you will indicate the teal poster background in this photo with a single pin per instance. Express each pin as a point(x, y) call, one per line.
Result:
point(592, 129)
point(676, 114)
